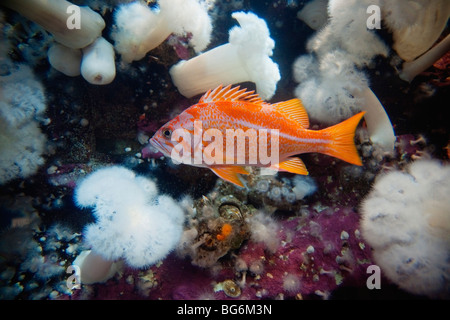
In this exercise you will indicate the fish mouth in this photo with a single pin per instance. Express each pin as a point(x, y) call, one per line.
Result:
point(158, 146)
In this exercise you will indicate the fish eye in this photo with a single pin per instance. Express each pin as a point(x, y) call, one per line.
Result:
point(167, 133)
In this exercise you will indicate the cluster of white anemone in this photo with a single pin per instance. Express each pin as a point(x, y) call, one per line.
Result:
point(332, 84)
point(138, 29)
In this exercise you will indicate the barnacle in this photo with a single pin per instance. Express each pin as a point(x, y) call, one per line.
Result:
point(230, 212)
point(221, 227)
point(232, 209)
point(231, 289)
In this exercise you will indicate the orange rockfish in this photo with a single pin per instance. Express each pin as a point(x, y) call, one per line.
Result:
point(206, 135)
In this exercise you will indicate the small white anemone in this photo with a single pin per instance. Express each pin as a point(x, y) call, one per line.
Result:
point(64, 59)
point(291, 283)
point(303, 186)
point(98, 65)
point(264, 229)
point(262, 185)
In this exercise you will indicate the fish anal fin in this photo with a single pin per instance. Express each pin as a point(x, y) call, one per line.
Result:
point(293, 165)
point(230, 174)
point(230, 94)
point(293, 109)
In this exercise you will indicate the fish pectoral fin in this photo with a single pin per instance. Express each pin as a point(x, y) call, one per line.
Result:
point(230, 174)
point(293, 165)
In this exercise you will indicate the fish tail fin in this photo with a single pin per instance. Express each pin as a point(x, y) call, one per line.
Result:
point(342, 145)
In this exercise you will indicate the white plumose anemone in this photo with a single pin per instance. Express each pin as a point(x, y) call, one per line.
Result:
point(406, 220)
point(246, 57)
point(133, 222)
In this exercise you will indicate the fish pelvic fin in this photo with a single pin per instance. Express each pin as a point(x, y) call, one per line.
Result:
point(342, 145)
point(230, 174)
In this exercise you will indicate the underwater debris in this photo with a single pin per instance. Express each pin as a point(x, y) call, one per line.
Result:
point(246, 57)
point(406, 220)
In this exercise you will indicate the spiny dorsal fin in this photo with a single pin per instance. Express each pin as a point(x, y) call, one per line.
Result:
point(293, 109)
point(227, 94)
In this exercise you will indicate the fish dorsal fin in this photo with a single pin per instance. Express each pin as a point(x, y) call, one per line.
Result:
point(293, 109)
point(230, 174)
point(230, 94)
point(293, 165)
